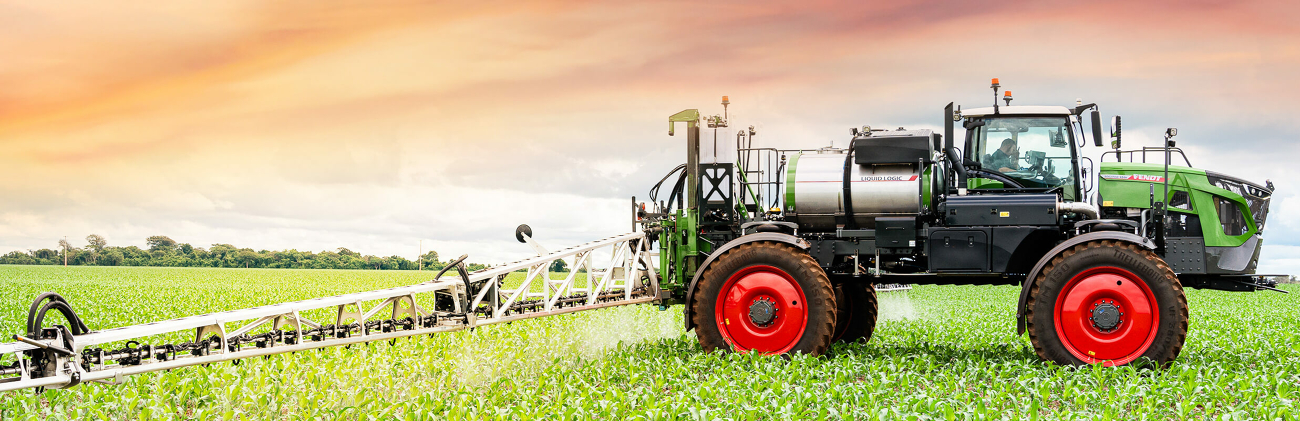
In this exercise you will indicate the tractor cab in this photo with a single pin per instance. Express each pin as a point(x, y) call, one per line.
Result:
point(1021, 149)
point(1028, 148)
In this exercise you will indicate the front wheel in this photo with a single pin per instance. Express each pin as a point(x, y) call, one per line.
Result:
point(764, 297)
point(1109, 303)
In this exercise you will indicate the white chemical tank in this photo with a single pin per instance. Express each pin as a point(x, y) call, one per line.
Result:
point(890, 175)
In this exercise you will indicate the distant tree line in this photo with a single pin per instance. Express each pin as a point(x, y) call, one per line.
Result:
point(163, 251)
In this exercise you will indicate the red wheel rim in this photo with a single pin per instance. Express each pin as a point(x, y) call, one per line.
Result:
point(1092, 335)
point(756, 289)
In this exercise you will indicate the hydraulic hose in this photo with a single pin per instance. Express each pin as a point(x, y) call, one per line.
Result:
point(36, 314)
point(654, 191)
point(678, 193)
point(464, 277)
point(776, 198)
point(849, 222)
point(954, 160)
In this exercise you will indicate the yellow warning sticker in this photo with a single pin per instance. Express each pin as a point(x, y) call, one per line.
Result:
point(1108, 203)
point(1004, 214)
point(1091, 353)
point(728, 321)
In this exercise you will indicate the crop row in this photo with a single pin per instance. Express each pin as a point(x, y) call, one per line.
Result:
point(940, 352)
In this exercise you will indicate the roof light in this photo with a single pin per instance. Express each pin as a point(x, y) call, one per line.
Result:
point(995, 87)
point(1007, 97)
point(723, 123)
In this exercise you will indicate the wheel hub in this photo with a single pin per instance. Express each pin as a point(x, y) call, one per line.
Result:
point(1106, 316)
point(762, 312)
point(761, 308)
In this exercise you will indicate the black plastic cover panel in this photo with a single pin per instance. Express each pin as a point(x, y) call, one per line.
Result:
point(1234, 260)
point(891, 150)
point(896, 232)
point(958, 250)
point(1001, 210)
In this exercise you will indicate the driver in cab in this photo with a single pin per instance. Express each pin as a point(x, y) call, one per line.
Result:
point(1006, 158)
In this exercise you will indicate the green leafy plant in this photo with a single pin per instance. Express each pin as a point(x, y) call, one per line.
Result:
point(951, 354)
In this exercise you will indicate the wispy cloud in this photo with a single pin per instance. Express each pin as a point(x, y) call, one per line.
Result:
point(314, 125)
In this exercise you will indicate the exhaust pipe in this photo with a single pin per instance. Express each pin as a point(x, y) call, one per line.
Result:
point(1077, 207)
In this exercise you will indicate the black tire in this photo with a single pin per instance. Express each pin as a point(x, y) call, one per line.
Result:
point(1072, 307)
point(761, 261)
point(856, 311)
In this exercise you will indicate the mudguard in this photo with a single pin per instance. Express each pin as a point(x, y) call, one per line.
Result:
point(762, 236)
point(1038, 268)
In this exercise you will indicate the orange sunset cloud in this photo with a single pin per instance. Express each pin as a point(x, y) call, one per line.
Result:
point(373, 125)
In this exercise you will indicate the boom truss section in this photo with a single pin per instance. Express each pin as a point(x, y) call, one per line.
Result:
point(619, 271)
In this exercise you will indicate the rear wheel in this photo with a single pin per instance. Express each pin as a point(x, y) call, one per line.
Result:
point(764, 297)
point(856, 310)
point(1109, 303)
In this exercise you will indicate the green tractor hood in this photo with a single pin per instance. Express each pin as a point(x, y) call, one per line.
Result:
point(1230, 209)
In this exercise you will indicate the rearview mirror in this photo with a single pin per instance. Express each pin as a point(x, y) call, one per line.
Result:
point(1114, 132)
point(1096, 127)
point(1058, 139)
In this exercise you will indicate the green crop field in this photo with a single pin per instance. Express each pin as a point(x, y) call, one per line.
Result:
point(940, 352)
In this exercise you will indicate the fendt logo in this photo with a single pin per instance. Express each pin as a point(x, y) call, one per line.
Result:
point(888, 178)
point(1134, 177)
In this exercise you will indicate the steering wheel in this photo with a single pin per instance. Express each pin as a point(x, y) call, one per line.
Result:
point(995, 176)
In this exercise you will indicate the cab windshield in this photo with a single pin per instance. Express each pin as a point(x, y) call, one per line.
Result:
point(1034, 152)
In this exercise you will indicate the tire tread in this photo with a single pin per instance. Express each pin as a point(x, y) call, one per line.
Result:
point(820, 328)
point(1164, 353)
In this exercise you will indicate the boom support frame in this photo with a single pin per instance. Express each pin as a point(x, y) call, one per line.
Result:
point(59, 359)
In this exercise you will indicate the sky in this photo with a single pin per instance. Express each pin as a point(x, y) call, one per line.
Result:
point(390, 126)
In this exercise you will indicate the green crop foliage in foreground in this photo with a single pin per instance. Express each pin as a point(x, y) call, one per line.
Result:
point(940, 352)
